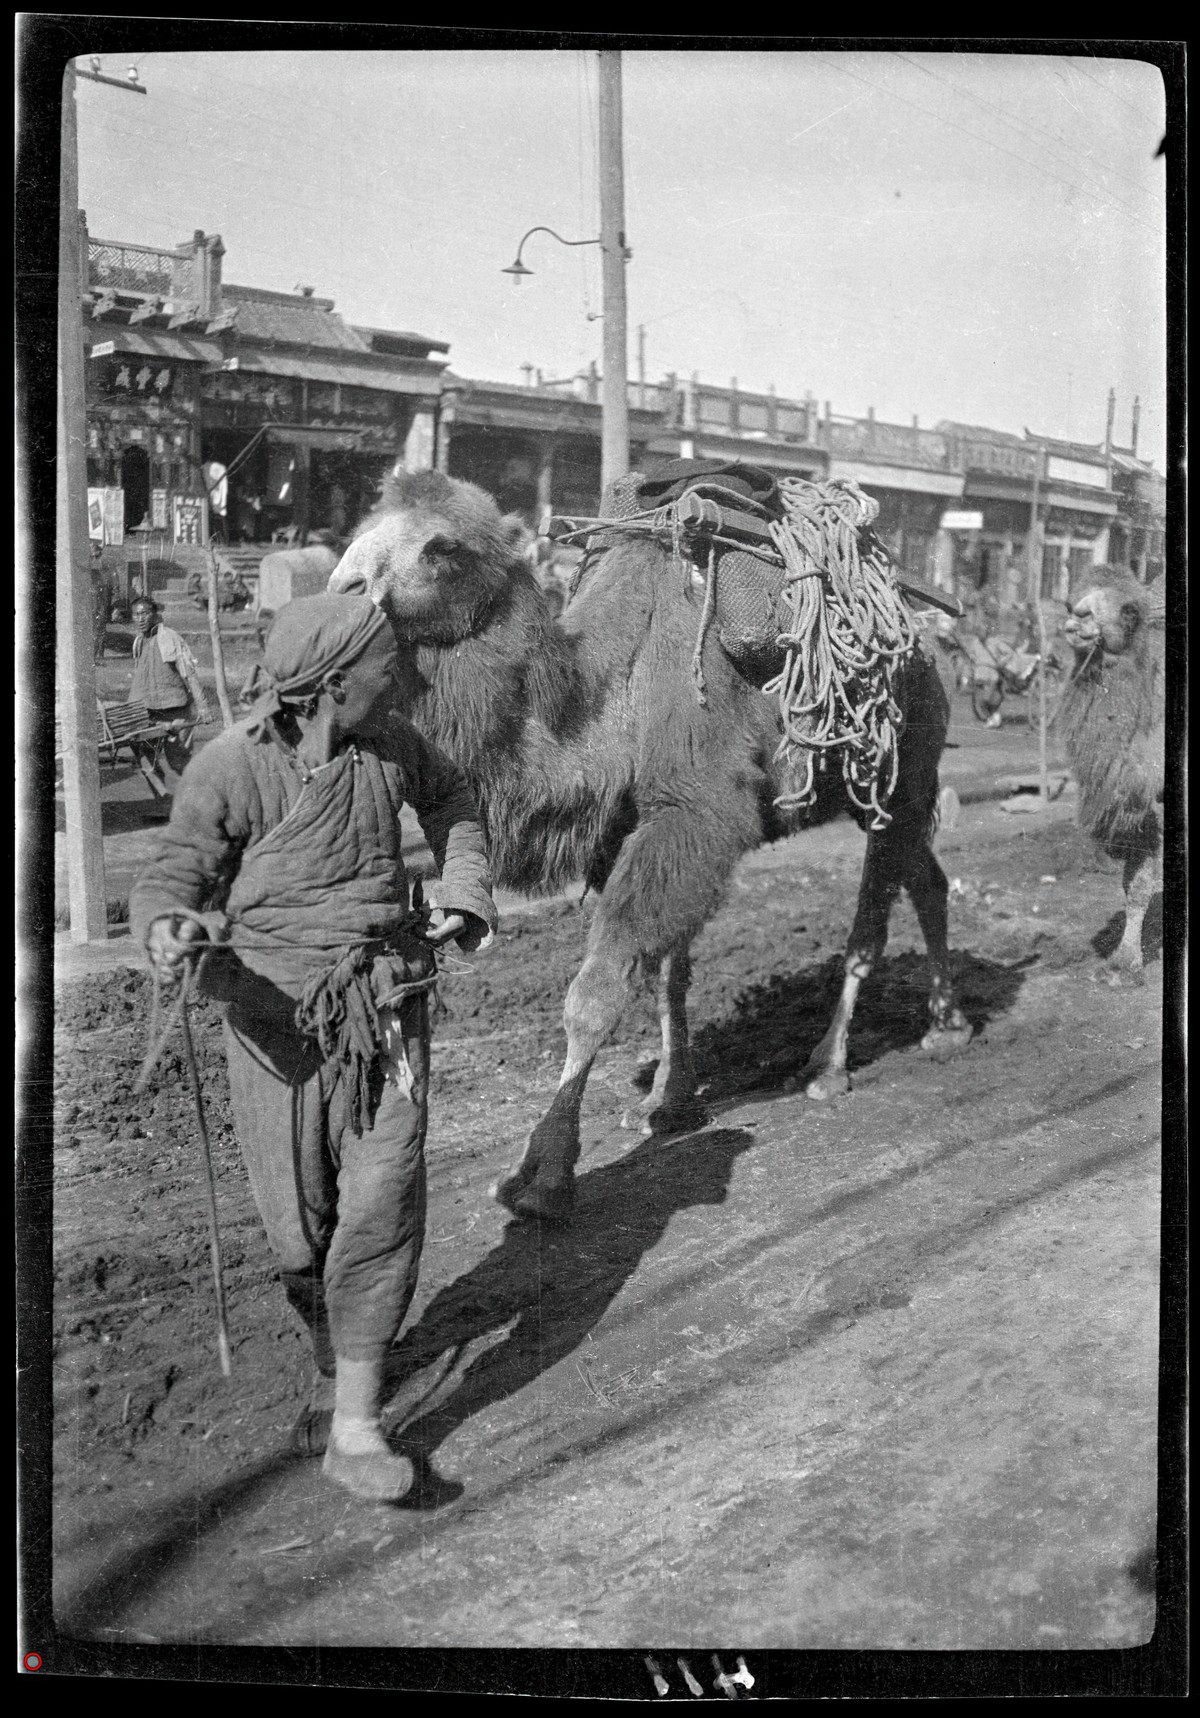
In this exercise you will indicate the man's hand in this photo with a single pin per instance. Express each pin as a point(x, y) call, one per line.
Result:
point(172, 938)
point(444, 927)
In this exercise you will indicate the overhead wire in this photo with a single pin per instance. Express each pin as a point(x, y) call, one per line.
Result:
point(991, 143)
point(1022, 129)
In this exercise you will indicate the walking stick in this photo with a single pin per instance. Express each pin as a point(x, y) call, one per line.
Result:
point(214, 1234)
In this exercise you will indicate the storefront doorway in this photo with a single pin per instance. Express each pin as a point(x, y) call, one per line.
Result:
point(135, 480)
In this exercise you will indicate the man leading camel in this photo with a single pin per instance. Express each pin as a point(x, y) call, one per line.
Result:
point(283, 858)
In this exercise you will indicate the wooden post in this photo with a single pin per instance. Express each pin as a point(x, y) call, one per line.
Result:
point(214, 633)
point(1035, 597)
point(614, 431)
point(76, 668)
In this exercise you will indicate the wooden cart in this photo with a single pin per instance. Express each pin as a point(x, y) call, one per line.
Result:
point(121, 727)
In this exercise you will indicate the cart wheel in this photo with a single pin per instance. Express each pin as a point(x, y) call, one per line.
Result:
point(982, 710)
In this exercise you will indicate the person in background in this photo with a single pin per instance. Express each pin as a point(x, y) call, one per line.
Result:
point(166, 680)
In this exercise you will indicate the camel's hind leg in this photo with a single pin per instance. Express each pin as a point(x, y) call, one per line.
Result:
point(824, 1074)
point(670, 1106)
point(897, 856)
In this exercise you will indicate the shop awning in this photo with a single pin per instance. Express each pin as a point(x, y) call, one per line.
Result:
point(324, 440)
point(152, 343)
point(911, 477)
point(348, 375)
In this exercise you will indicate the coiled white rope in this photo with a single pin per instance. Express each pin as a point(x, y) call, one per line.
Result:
point(846, 629)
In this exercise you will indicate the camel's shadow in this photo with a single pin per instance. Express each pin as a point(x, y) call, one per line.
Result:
point(551, 1286)
point(775, 1025)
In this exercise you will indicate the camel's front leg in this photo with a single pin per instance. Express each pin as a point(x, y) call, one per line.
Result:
point(542, 1184)
point(671, 1106)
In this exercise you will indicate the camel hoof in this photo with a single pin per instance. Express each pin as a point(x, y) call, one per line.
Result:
point(1127, 973)
point(825, 1084)
point(509, 1188)
point(547, 1204)
point(683, 1117)
point(944, 1042)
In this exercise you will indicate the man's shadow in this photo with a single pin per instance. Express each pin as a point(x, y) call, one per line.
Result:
point(556, 1283)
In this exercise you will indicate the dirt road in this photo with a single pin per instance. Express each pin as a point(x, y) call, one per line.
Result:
point(879, 1373)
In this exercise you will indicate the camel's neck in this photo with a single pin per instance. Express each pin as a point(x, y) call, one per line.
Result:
point(479, 693)
point(517, 706)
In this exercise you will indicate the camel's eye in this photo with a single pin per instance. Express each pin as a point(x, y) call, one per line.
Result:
point(441, 548)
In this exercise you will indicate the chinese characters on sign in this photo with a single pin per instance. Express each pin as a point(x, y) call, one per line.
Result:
point(191, 519)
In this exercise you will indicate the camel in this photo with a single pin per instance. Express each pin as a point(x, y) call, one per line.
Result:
point(1112, 721)
point(592, 758)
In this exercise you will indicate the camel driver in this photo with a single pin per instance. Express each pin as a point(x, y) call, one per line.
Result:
point(282, 860)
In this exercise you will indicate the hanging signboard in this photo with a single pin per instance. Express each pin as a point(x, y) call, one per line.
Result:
point(191, 519)
point(962, 521)
point(158, 510)
point(106, 515)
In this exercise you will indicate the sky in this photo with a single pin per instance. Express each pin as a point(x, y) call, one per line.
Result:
point(971, 236)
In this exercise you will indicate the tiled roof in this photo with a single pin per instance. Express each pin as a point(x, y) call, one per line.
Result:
point(288, 317)
point(422, 343)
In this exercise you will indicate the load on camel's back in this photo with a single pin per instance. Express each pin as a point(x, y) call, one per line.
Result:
point(622, 746)
point(1112, 720)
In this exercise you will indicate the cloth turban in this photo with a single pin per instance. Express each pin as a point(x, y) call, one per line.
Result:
point(309, 638)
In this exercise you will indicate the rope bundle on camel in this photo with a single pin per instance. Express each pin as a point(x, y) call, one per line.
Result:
point(806, 602)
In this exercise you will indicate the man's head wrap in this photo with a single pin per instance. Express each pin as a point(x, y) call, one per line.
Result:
point(309, 638)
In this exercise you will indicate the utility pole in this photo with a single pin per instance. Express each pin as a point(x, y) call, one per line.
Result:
point(614, 451)
point(641, 361)
point(1034, 564)
point(76, 667)
point(74, 640)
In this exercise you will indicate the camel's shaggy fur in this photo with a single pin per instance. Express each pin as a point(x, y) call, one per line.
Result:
point(1112, 720)
point(591, 758)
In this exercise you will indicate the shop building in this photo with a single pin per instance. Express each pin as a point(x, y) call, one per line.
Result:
point(235, 413)
point(1076, 505)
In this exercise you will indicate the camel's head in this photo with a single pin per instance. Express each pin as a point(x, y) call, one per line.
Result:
point(1108, 612)
point(436, 555)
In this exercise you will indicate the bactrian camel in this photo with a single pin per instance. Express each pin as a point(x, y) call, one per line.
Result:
point(593, 759)
point(1112, 721)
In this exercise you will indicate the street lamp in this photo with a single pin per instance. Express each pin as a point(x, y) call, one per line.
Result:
point(614, 405)
point(518, 270)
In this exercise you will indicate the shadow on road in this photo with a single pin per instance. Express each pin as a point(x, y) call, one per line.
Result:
point(556, 1285)
point(147, 1557)
point(775, 1025)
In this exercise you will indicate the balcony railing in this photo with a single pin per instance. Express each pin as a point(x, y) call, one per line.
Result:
point(138, 268)
point(897, 444)
point(997, 459)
